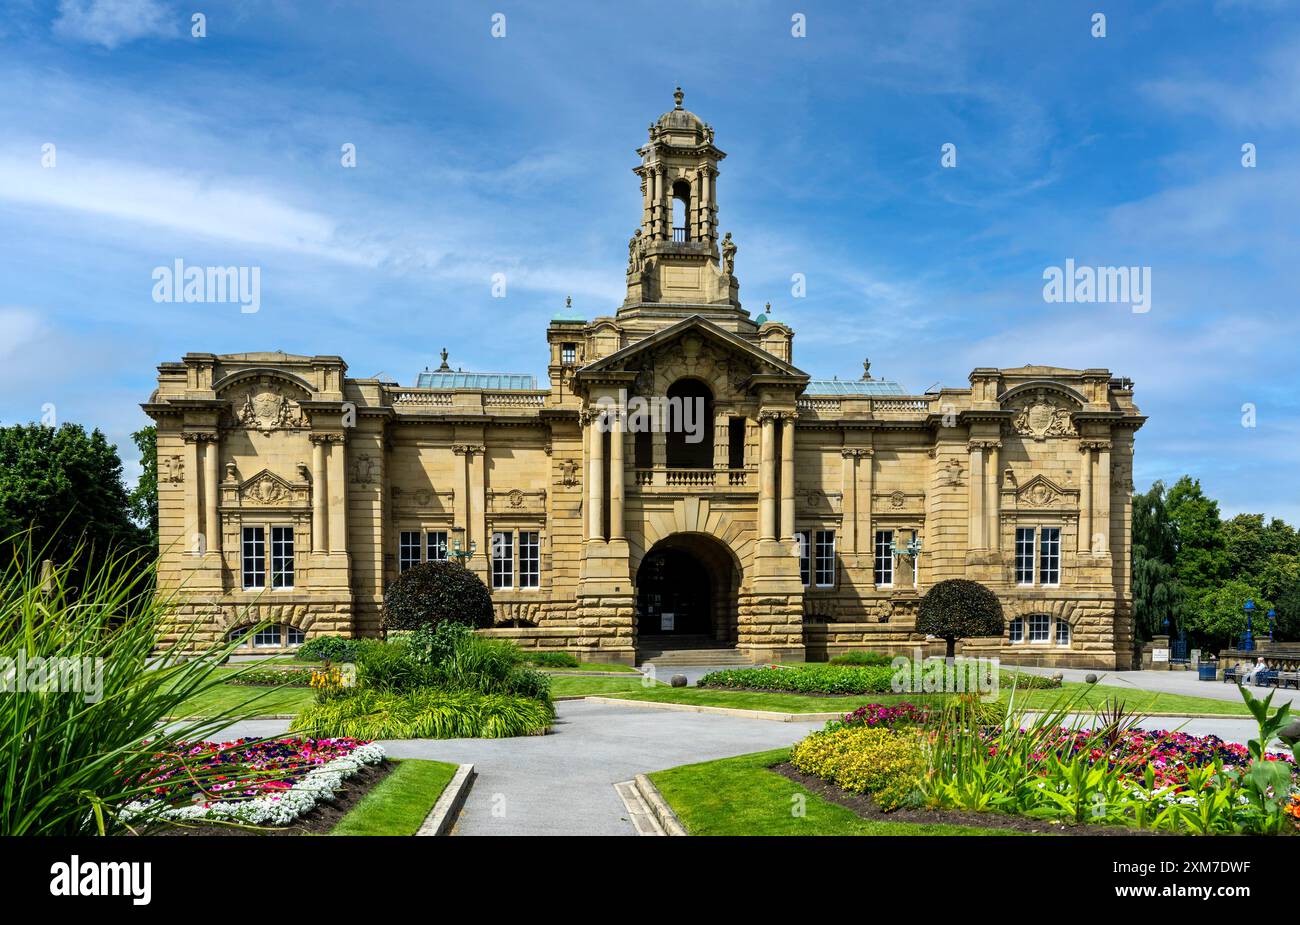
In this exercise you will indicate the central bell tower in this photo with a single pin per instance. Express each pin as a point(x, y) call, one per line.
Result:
point(676, 257)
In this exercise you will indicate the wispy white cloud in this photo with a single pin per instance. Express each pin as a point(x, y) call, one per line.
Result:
point(111, 23)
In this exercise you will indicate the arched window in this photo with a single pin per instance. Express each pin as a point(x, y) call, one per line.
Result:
point(689, 420)
point(274, 636)
point(681, 211)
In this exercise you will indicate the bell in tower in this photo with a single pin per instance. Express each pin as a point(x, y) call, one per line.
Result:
point(677, 256)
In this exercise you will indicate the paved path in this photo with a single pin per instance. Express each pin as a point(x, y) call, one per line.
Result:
point(563, 783)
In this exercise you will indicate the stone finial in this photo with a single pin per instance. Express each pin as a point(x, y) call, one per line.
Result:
point(568, 301)
point(866, 369)
point(444, 367)
point(678, 96)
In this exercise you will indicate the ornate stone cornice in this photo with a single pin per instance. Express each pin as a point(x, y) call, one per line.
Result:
point(973, 445)
point(200, 436)
point(1093, 445)
point(850, 452)
point(326, 437)
point(468, 449)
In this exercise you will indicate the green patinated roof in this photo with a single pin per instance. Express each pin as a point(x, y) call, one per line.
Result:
point(485, 381)
point(853, 387)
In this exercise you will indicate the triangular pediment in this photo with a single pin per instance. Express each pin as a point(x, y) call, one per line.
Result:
point(753, 358)
point(266, 488)
point(1040, 491)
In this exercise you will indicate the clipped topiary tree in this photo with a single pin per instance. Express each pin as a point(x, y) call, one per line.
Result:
point(959, 609)
point(435, 592)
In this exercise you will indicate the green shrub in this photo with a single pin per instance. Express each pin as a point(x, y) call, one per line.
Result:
point(437, 592)
point(328, 649)
point(808, 679)
point(858, 657)
point(959, 609)
point(887, 763)
point(390, 666)
point(429, 713)
point(553, 659)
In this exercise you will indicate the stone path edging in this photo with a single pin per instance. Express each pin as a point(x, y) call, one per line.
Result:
point(663, 813)
point(444, 812)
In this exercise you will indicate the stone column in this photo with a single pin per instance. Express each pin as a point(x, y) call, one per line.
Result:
point(975, 492)
point(993, 499)
point(319, 487)
point(849, 489)
point(766, 478)
point(705, 198)
point(337, 480)
point(864, 528)
point(193, 493)
point(460, 503)
point(615, 475)
point(1102, 521)
point(477, 532)
point(211, 490)
point(596, 478)
point(787, 476)
point(1085, 500)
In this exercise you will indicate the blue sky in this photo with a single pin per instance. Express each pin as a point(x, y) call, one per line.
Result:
point(478, 155)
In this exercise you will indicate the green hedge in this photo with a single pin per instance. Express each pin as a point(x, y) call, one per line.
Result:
point(428, 713)
point(328, 649)
point(858, 657)
point(839, 679)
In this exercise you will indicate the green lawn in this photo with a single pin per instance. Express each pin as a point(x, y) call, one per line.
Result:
point(585, 685)
point(267, 701)
point(603, 667)
point(400, 802)
point(740, 796)
point(1136, 700)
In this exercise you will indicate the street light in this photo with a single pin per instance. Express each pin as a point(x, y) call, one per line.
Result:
point(460, 554)
point(1248, 640)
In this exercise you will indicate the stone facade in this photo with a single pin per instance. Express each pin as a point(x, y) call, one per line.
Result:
point(807, 519)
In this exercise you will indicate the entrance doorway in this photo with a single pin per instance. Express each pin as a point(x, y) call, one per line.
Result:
point(686, 591)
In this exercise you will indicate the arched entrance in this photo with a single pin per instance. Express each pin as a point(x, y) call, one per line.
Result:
point(686, 592)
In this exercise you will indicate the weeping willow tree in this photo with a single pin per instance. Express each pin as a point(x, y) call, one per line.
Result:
point(1157, 593)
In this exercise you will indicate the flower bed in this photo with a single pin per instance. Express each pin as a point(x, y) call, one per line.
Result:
point(273, 677)
point(844, 679)
point(877, 714)
point(269, 782)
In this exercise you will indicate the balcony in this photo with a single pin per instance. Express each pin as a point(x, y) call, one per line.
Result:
point(697, 480)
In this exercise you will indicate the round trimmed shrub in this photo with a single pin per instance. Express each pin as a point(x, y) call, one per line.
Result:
point(328, 649)
point(959, 609)
point(436, 592)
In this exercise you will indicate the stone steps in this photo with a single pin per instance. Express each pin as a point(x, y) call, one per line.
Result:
point(712, 657)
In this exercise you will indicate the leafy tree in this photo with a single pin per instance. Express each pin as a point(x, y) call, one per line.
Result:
point(1201, 562)
point(433, 592)
point(1288, 614)
point(959, 609)
point(66, 487)
point(1217, 615)
point(144, 499)
point(1157, 593)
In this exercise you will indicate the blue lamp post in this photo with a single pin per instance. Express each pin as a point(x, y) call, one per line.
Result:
point(1272, 623)
point(1248, 640)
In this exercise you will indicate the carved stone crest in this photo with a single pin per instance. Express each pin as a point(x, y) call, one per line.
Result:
point(568, 472)
point(266, 490)
point(171, 469)
point(1041, 417)
point(364, 469)
point(265, 408)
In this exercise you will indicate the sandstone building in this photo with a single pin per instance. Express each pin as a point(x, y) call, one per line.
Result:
point(808, 517)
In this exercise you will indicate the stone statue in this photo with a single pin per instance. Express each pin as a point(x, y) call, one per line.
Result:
point(866, 369)
point(634, 252)
point(444, 365)
point(728, 254)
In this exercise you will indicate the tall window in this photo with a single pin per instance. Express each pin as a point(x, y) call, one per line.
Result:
point(805, 557)
point(1016, 630)
point(736, 443)
point(282, 557)
point(503, 560)
point(1049, 555)
point(884, 558)
point(1024, 555)
point(530, 559)
point(437, 545)
point(253, 554)
point(1040, 627)
point(568, 354)
point(1062, 633)
point(824, 562)
point(408, 550)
